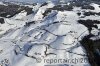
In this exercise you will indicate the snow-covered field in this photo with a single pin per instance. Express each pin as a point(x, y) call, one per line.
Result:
point(38, 40)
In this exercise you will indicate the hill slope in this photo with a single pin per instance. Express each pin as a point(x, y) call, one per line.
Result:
point(49, 34)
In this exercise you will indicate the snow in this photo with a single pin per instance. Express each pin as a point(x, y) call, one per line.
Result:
point(1, 3)
point(46, 38)
point(20, 15)
point(96, 6)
